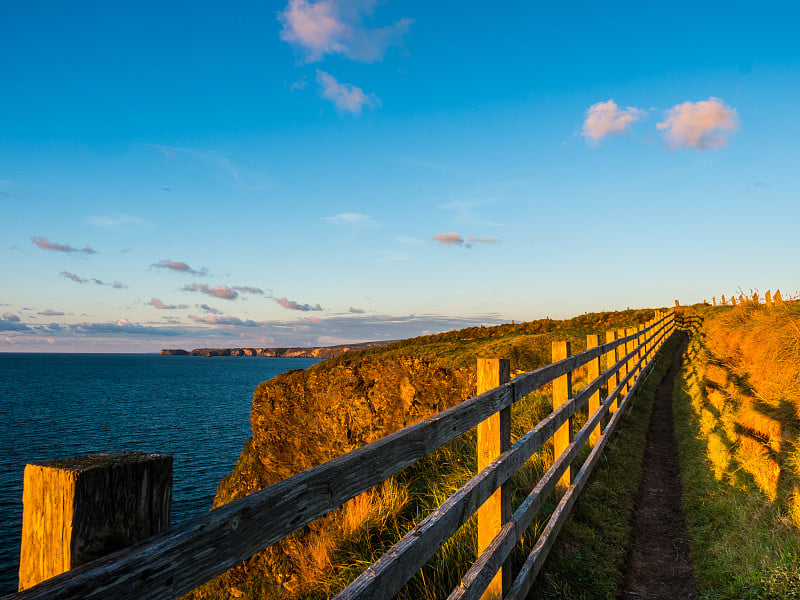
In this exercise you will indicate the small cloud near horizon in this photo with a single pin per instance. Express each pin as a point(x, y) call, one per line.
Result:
point(210, 309)
point(160, 305)
point(227, 320)
point(448, 239)
point(292, 305)
point(45, 244)
point(357, 311)
point(11, 317)
point(73, 277)
point(218, 291)
point(703, 125)
point(606, 118)
point(178, 266)
point(51, 313)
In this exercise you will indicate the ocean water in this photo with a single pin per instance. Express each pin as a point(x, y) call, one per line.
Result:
point(57, 405)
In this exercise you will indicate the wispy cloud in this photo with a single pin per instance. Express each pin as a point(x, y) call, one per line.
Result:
point(220, 320)
point(116, 221)
point(11, 317)
point(51, 313)
point(12, 325)
point(484, 240)
point(218, 291)
point(352, 219)
point(454, 239)
point(210, 309)
point(180, 267)
point(357, 311)
point(246, 289)
point(122, 327)
point(448, 239)
point(116, 284)
point(160, 305)
point(703, 125)
point(345, 97)
point(292, 305)
point(337, 27)
point(46, 244)
point(73, 277)
point(606, 118)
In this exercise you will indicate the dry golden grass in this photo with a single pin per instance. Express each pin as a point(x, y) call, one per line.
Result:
point(745, 390)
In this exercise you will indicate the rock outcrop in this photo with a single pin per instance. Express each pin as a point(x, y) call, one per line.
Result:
point(315, 352)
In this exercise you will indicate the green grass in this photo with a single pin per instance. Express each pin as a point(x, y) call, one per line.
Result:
point(588, 560)
point(742, 545)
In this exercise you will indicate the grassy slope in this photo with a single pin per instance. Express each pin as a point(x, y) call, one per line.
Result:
point(739, 384)
point(588, 562)
point(355, 535)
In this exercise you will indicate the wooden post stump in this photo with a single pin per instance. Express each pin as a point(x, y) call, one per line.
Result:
point(768, 298)
point(76, 510)
point(494, 438)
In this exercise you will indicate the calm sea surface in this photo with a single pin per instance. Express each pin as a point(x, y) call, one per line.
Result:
point(57, 405)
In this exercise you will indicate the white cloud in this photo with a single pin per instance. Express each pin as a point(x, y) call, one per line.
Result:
point(354, 219)
point(337, 27)
point(345, 96)
point(606, 118)
point(700, 125)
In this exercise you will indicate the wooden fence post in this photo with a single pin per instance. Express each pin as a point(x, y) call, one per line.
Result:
point(777, 298)
point(629, 347)
point(723, 299)
point(494, 438)
point(768, 298)
point(611, 359)
point(76, 510)
point(623, 369)
point(562, 391)
point(593, 372)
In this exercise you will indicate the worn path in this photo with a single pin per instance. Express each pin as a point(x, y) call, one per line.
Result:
point(659, 567)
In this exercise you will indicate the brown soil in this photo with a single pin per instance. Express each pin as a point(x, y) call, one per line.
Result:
point(658, 566)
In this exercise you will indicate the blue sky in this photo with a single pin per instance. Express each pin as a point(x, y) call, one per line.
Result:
point(189, 174)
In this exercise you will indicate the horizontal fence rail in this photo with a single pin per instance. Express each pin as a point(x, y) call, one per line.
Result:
point(176, 561)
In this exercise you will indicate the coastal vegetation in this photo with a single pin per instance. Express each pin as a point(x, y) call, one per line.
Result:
point(737, 411)
point(303, 418)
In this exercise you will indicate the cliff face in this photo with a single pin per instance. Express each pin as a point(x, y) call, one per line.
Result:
point(303, 418)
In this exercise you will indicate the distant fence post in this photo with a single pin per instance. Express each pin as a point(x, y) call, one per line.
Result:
point(768, 298)
point(76, 510)
point(494, 438)
point(611, 359)
point(593, 372)
point(623, 368)
point(562, 390)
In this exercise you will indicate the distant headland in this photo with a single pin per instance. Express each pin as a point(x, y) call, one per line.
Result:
point(316, 352)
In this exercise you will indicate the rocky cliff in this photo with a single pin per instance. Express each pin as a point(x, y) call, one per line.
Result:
point(316, 352)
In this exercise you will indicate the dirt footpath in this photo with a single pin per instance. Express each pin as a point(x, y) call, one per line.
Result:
point(658, 566)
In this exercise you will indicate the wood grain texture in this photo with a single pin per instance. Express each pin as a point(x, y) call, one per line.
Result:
point(78, 509)
point(562, 391)
point(593, 372)
point(494, 438)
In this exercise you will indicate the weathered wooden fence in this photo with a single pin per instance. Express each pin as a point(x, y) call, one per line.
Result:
point(179, 559)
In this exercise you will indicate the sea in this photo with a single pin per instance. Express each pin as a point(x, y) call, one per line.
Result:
point(59, 405)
